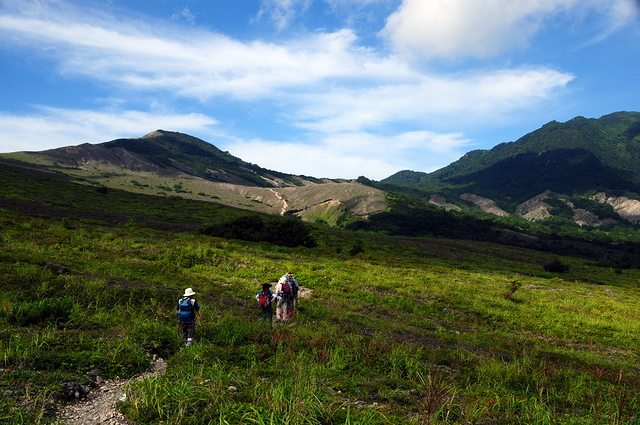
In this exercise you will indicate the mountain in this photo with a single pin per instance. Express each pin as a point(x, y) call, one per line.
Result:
point(593, 159)
point(166, 163)
point(164, 153)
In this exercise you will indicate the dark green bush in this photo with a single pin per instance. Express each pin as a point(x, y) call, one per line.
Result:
point(48, 310)
point(278, 231)
point(556, 266)
point(156, 338)
point(356, 248)
point(121, 357)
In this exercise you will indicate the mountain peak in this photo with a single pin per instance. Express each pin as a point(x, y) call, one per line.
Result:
point(155, 133)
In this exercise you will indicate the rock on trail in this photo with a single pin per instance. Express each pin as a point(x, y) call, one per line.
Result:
point(100, 405)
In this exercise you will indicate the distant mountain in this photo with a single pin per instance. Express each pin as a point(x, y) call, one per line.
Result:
point(167, 163)
point(165, 153)
point(578, 159)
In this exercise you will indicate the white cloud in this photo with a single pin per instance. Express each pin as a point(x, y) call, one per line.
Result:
point(618, 14)
point(282, 12)
point(186, 15)
point(351, 3)
point(202, 65)
point(434, 100)
point(485, 28)
point(54, 127)
point(349, 155)
point(190, 62)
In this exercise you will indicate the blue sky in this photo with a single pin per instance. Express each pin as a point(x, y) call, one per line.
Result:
point(329, 88)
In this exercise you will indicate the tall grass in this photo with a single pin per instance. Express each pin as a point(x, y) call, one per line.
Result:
point(410, 331)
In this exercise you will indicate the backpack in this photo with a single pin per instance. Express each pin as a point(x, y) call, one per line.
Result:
point(287, 291)
point(264, 299)
point(185, 310)
point(294, 287)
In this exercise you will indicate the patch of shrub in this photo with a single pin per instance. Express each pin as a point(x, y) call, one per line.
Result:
point(114, 357)
point(283, 231)
point(136, 183)
point(614, 262)
point(56, 310)
point(556, 266)
point(356, 248)
point(602, 210)
point(511, 290)
point(156, 338)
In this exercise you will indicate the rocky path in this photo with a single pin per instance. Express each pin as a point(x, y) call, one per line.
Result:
point(99, 406)
point(285, 205)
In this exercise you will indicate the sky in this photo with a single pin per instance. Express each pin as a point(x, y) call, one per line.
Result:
point(327, 88)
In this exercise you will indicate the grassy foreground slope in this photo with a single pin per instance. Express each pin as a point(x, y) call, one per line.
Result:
point(406, 331)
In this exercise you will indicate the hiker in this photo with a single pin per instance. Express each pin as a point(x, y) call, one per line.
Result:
point(188, 309)
point(294, 286)
point(264, 298)
point(285, 297)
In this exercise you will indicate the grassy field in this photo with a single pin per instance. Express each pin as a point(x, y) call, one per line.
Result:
point(397, 330)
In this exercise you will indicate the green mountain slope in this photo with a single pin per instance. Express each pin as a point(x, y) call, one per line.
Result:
point(167, 163)
point(578, 156)
point(164, 153)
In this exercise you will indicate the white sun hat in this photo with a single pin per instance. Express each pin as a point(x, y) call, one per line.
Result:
point(188, 292)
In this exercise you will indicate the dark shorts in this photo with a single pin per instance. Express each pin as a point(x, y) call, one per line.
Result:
point(187, 330)
point(266, 312)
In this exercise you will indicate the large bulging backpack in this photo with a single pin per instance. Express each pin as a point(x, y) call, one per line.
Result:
point(185, 310)
point(287, 290)
point(263, 299)
point(294, 286)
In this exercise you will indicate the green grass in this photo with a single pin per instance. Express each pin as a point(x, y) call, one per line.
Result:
point(405, 331)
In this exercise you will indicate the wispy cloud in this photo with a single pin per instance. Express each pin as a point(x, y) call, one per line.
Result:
point(317, 72)
point(282, 12)
point(485, 28)
point(350, 155)
point(431, 101)
point(54, 127)
point(194, 63)
point(618, 14)
point(186, 15)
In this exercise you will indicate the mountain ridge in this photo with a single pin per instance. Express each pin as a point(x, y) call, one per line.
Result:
point(169, 163)
point(553, 172)
point(580, 157)
point(167, 152)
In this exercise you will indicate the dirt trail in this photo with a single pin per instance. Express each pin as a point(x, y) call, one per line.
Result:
point(285, 205)
point(100, 405)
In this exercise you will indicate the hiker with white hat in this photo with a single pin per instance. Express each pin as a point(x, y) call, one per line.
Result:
point(188, 309)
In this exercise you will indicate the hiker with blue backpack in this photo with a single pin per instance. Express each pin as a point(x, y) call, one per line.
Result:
point(188, 310)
